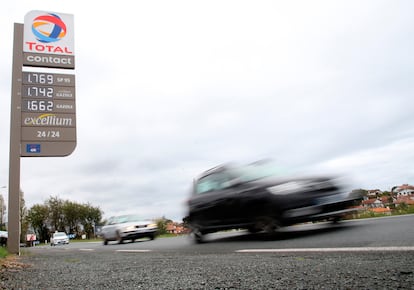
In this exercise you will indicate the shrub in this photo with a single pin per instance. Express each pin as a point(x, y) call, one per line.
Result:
point(3, 252)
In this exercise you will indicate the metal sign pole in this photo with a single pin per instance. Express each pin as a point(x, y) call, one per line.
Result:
point(13, 227)
point(38, 100)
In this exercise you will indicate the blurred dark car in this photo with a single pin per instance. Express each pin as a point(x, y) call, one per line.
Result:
point(257, 198)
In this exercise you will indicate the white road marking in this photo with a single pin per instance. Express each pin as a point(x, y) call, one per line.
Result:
point(346, 249)
point(87, 250)
point(133, 251)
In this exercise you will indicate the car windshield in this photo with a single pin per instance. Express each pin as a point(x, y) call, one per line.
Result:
point(59, 235)
point(235, 175)
point(127, 218)
point(255, 171)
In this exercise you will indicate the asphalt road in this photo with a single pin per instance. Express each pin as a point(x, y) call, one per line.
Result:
point(361, 254)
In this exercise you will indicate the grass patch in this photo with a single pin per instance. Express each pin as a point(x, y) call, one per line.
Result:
point(72, 260)
point(3, 252)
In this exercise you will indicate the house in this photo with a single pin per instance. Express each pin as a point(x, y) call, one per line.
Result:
point(373, 203)
point(372, 193)
point(377, 205)
point(175, 228)
point(403, 190)
point(387, 200)
point(408, 200)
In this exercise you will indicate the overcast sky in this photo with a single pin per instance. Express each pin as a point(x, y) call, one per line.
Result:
point(168, 89)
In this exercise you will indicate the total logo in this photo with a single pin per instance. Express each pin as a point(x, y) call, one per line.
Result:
point(48, 33)
point(48, 28)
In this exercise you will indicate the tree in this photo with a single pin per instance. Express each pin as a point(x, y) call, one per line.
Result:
point(64, 215)
point(2, 211)
point(162, 225)
point(24, 225)
point(71, 212)
point(56, 216)
point(38, 216)
point(89, 217)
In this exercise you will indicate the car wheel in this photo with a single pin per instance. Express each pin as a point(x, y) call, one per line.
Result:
point(254, 229)
point(119, 238)
point(152, 237)
point(335, 220)
point(198, 236)
point(105, 242)
point(269, 225)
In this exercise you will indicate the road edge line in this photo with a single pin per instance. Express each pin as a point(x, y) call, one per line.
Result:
point(325, 250)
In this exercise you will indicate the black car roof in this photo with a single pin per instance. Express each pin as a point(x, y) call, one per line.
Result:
point(215, 169)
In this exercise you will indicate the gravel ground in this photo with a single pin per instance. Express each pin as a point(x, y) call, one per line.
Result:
point(92, 270)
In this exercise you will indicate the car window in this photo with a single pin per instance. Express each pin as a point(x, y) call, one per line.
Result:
point(124, 219)
point(59, 234)
point(111, 221)
point(134, 218)
point(256, 171)
point(212, 182)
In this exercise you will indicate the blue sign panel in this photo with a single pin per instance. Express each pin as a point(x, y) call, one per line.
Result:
point(32, 148)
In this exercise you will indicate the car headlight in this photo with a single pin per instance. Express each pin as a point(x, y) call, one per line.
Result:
point(130, 228)
point(285, 188)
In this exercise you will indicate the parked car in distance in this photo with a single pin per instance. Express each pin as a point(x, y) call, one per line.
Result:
point(128, 227)
point(59, 238)
point(3, 238)
point(257, 198)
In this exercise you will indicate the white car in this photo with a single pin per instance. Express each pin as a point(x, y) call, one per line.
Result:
point(128, 227)
point(3, 238)
point(59, 238)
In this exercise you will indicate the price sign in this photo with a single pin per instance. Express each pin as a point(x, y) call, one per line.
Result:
point(37, 91)
point(48, 114)
point(37, 105)
point(38, 78)
point(48, 110)
point(48, 105)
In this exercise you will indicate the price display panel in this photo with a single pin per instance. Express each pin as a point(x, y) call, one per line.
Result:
point(48, 119)
point(38, 78)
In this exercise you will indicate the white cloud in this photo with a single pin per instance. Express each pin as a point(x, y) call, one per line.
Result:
point(381, 167)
